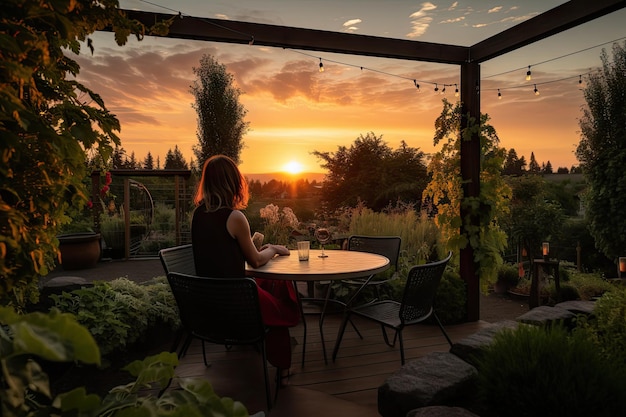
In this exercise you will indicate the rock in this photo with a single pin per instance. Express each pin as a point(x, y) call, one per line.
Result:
point(545, 315)
point(440, 411)
point(430, 380)
point(577, 306)
point(470, 348)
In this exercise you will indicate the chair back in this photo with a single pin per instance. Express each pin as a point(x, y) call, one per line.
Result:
point(419, 291)
point(388, 246)
point(219, 310)
point(178, 259)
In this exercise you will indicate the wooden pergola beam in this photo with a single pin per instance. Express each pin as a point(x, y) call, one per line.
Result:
point(229, 31)
point(563, 17)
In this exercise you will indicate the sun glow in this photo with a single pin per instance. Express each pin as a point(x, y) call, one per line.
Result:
point(293, 167)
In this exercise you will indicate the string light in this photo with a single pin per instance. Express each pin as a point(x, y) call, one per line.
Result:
point(417, 85)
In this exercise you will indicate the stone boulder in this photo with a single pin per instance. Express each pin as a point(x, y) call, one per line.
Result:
point(436, 379)
point(441, 411)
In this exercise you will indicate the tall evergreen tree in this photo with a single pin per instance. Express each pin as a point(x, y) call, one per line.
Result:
point(533, 166)
point(602, 152)
point(175, 160)
point(221, 124)
point(148, 162)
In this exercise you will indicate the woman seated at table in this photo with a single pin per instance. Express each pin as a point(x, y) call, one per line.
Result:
point(220, 236)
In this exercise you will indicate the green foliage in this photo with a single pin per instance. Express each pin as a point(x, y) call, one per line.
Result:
point(221, 124)
point(47, 120)
point(535, 371)
point(419, 234)
point(602, 152)
point(607, 327)
point(25, 389)
point(480, 227)
point(533, 219)
point(589, 285)
point(119, 313)
point(370, 171)
point(451, 298)
point(508, 275)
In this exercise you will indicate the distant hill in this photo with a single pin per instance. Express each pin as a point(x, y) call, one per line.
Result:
point(285, 177)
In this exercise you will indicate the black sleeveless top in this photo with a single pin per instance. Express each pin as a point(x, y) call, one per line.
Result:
point(216, 253)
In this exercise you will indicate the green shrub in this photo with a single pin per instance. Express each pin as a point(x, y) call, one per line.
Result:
point(119, 313)
point(589, 285)
point(536, 371)
point(508, 275)
point(26, 390)
point(607, 327)
point(451, 298)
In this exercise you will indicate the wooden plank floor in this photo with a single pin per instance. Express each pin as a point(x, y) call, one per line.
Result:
point(348, 387)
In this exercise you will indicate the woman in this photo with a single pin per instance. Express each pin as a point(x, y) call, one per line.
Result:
point(222, 244)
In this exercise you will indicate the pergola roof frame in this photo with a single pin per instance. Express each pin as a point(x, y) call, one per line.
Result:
point(566, 16)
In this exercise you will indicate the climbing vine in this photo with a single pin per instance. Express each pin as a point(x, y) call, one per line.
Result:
point(445, 191)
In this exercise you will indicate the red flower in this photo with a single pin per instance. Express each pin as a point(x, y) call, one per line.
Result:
point(107, 179)
point(104, 190)
point(90, 204)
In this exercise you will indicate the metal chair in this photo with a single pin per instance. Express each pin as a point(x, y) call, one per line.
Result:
point(223, 311)
point(416, 305)
point(388, 246)
point(178, 259)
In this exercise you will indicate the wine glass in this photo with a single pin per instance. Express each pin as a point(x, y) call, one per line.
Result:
point(323, 236)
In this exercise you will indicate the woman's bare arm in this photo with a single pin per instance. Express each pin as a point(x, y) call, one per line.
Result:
point(239, 228)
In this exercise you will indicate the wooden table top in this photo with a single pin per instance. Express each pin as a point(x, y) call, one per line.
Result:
point(338, 265)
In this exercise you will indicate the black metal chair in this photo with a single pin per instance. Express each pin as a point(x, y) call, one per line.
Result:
point(416, 305)
point(178, 259)
point(223, 311)
point(388, 246)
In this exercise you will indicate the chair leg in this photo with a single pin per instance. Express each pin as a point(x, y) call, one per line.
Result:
point(303, 321)
point(442, 329)
point(204, 355)
point(395, 336)
point(185, 346)
point(268, 388)
point(342, 329)
point(401, 342)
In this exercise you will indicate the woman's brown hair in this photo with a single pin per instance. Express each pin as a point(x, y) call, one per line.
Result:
point(222, 185)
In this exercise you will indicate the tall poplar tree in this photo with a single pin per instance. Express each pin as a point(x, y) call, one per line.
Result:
point(602, 153)
point(221, 124)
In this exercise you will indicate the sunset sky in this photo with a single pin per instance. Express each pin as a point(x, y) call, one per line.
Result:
point(293, 109)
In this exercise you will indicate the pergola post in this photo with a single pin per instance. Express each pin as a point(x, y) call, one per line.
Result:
point(470, 176)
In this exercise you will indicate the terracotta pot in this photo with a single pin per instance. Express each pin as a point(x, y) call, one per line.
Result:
point(79, 250)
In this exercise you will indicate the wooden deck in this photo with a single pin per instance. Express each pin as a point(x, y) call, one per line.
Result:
point(348, 387)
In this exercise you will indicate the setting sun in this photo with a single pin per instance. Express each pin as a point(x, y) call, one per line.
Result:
point(293, 167)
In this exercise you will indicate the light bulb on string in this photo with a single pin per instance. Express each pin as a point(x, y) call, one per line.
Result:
point(436, 87)
point(443, 91)
point(528, 76)
point(416, 85)
point(536, 91)
point(499, 95)
point(456, 90)
point(321, 65)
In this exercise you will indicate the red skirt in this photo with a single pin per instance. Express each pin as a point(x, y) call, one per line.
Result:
point(280, 310)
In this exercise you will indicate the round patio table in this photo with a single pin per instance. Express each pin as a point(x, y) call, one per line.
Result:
point(337, 265)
